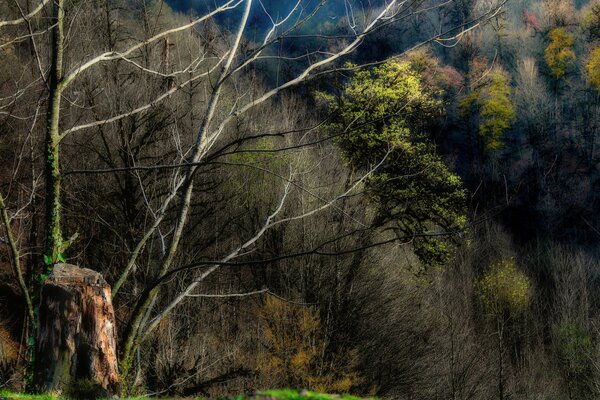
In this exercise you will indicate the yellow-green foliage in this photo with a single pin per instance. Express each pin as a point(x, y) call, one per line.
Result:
point(593, 68)
point(559, 55)
point(294, 353)
point(505, 289)
point(384, 117)
point(491, 99)
point(497, 110)
point(371, 99)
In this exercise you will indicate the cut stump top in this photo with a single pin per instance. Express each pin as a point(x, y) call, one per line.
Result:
point(72, 274)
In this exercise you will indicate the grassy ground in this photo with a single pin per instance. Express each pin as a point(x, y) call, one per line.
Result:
point(265, 395)
point(294, 395)
point(16, 396)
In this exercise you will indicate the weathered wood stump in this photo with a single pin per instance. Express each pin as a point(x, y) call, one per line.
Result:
point(77, 334)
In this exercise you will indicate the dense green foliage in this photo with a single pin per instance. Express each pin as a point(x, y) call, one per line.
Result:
point(491, 101)
point(497, 111)
point(382, 125)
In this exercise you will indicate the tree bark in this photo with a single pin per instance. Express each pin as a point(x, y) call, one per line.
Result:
point(52, 168)
point(76, 345)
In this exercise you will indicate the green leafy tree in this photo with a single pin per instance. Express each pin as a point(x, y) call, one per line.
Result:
point(383, 118)
point(491, 100)
point(497, 111)
point(593, 68)
point(504, 289)
point(559, 54)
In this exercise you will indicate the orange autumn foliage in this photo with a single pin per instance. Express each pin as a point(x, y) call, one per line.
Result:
point(294, 351)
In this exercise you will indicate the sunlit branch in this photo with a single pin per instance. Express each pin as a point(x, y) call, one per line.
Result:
point(26, 17)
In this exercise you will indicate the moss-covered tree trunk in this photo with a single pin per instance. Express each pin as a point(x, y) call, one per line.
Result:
point(52, 168)
point(76, 342)
point(75, 346)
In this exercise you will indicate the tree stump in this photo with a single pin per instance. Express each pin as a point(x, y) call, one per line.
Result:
point(77, 335)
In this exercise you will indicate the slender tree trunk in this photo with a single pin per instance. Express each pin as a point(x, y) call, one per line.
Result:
point(52, 168)
point(145, 305)
point(51, 172)
point(500, 345)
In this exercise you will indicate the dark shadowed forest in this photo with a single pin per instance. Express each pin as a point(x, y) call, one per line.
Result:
point(391, 199)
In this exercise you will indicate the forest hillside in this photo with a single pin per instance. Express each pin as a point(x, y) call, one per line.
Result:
point(391, 199)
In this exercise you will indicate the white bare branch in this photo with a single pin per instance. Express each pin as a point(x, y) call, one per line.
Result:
point(114, 55)
point(229, 295)
point(144, 107)
point(25, 17)
point(205, 147)
point(190, 288)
